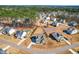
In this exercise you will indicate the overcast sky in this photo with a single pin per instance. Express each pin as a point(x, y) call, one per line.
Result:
point(39, 2)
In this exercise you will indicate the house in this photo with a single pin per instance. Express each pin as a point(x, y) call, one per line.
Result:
point(72, 23)
point(53, 19)
point(55, 24)
point(1, 27)
point(26, 22)
point(2, 51)
point(37, 39)
point(62, 21)
point(57, 36)
point(8, 30)
point(48, 18)
point(71, 30)
point(20, 34)
point(17, 23)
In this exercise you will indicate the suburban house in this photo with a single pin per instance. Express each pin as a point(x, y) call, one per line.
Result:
point(2, 51)
point(22, 22)
point(8, 30)
point(57, 36)
point(71, 30)
point(55, 23)
point(37, 39)
point(62, 21)
point(72, 23)
point(20, 34)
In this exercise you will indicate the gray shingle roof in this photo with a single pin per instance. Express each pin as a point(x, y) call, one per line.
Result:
point(57, 36)
point(72, 23)
point(19, 34)
point(2, 52)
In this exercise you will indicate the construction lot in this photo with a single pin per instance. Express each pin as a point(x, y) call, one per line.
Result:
point(49, 45)
point(39, 30)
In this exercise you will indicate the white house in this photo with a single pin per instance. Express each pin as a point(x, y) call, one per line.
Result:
point(55, 24)
point(71, 30)
point(57, 36)
point(9, 30)
point(20, 34)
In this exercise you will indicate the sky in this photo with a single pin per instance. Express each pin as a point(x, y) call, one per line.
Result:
point(39, 2)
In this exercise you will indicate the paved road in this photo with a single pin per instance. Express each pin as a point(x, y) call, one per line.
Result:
point(7, 47)
point(14, 45)
point(57, 50)
point(60, 49)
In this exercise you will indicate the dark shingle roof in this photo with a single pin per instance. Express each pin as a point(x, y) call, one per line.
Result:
point(37, 39)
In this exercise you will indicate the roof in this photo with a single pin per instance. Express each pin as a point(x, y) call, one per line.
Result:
point(37, 39)
point(40, 39)
point(33, 39)
point(20, 34)
point(62, 20)
point(56, 35)
point(71, 30)
point(55, 23)
point(72, 23)
point(54, 19)
point(8, 30)
point(2, 52)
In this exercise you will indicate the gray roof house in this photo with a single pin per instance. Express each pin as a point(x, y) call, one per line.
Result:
point(8, 30)
point(37, 39)
point(57, 36)
point(20, 34)
point(71, 30)
point(2, 51)
point(55, 23)
point(72, 23)
point(62, 21)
